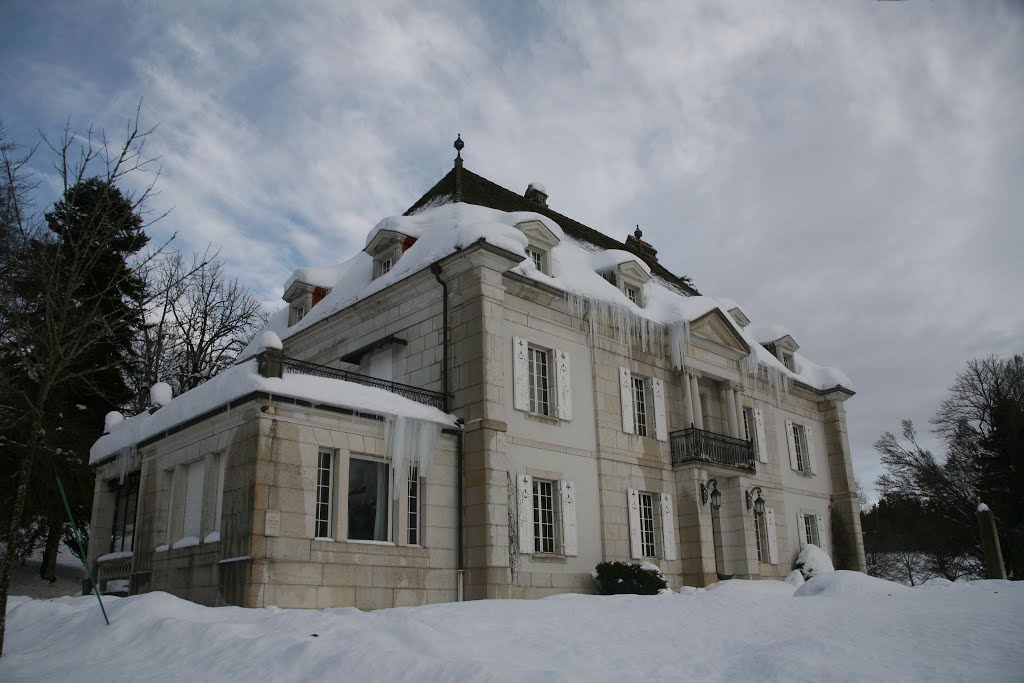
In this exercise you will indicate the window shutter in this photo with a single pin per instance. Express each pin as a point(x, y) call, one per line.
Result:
point(668, 527)
point(570, 543)
point(792, 445)
point(773, 536)
point(520, 375)
point(525, 513)
point(626, 396)
point(762, 435)
point(810, 451)
point(634, 524)
point(801, 525)
point(820, 521)
point(564, 386)
point(660, 422)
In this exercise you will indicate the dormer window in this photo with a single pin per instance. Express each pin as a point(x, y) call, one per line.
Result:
point(633, 294)
point(385, 266)
point(787, 360)
point(538, 258)
point(386, 247)
point(300, 312)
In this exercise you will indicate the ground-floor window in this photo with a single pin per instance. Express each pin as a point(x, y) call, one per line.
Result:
point(543, 516)
point(647, 533)
point(811, 527)
point(126, 499)
point(324, 497)
point(761, 537)
point(413, 517)
point(368, 502)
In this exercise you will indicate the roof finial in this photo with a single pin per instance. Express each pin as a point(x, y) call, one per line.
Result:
point(637, 233)
point(459, 144)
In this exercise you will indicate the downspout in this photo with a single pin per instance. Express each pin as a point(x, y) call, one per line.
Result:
point(459, 512)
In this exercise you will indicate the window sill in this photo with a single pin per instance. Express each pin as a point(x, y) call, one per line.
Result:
point(367, 542)
point(553, 558)
point(546, 419)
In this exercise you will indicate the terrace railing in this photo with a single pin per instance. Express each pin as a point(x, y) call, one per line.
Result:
point(425, 396)
point(694, 444)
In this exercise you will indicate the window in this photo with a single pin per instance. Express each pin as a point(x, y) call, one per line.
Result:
point(543, 516)
point(787, 360)
point(413, 515)
point(368, 500)
point(126, 498)
point(749, 432)
point(539, 382)
point(800, 446)
point(324, 499)
point(761, 536)
point(300, 312)
point(633, 295)
point(639, 406)
point(192, 521)
point(811, 529)
point(537, 256)
point(385, 266)
point(647, 535)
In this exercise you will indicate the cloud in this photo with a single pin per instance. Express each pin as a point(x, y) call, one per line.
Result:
point(852, 172)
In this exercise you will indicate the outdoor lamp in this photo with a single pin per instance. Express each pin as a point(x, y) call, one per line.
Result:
point(758, 503)
point(716, 495)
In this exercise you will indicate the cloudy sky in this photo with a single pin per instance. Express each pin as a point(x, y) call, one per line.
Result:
point(853, 171)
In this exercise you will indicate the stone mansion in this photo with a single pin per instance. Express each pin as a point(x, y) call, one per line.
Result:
point(485, 402)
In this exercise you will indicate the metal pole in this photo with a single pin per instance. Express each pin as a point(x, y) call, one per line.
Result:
point(81, 550)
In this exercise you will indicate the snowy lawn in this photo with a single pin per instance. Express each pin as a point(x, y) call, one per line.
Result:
point(840, 626)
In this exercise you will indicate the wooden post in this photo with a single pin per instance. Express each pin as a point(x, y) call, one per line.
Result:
point(994, 567)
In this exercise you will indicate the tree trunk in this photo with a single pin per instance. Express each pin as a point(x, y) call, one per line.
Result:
point(24, 474)
point(48, 569)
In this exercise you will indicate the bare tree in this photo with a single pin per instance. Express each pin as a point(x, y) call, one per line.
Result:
point(59, 313)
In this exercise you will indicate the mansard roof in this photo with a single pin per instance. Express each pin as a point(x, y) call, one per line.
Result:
point(462, 185)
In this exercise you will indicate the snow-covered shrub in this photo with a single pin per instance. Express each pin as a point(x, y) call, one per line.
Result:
point(813, 561)
point(616, 578)
point(795, 578)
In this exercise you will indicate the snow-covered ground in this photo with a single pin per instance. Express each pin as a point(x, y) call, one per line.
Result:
point(836, 627)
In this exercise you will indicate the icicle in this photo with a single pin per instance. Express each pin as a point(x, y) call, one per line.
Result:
point(678, 338)
point(409, 442)
point(125, 456)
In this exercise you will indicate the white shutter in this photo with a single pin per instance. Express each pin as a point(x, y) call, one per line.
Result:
point(801, 525)
point(660, 422)
point(668, 527)
point(525, 513)
point(634, 524)
point(564, 385)
point(762, 435)
point(520, 374)
point(822, 541)
point(773, 536)
point(570, 544)
point(626, 397)
point(792, 445)
point(811, 460)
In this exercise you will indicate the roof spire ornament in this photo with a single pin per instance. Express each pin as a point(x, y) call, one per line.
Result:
point(637, 233)
point(459, 144)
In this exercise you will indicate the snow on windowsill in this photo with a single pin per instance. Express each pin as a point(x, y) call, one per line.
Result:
point(162, 548)
point(114, 556)
point(212, 537)
point(325, 539)
point(187, 542)
point(365, 542)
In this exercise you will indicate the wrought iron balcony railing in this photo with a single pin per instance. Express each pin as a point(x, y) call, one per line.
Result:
point(425, 396)
point(694, 444)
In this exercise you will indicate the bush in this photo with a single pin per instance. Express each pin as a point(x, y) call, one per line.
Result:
point(616, 578)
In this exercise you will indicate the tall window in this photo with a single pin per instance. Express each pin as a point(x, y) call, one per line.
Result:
point(800, 447)
point(537, 257)
point(126, 499)
point(749, 433)
point(368, 500)
point(413, 516)
point(811, 527)
point(647, 536)
point(324, 499)
point(543, 516)
point(193, 518)
point(639, 406)
point(761, 537)
point(539, 383)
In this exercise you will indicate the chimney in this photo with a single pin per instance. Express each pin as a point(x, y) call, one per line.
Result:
point(536, 193)
point(641, 248)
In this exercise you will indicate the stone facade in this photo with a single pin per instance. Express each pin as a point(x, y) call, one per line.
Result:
point(260, 460)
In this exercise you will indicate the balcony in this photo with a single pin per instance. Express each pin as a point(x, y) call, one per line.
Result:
point(424, 396)
point(697, 445)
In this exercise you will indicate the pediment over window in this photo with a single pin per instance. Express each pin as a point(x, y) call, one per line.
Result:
point(538, 233)
point(739, 316)
point(714, 332)
point(387, 239)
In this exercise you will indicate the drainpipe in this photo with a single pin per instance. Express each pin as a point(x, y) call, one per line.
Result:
point(460, 567)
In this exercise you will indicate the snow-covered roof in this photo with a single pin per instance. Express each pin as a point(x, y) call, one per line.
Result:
point(243, 379)
point(574, 268)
